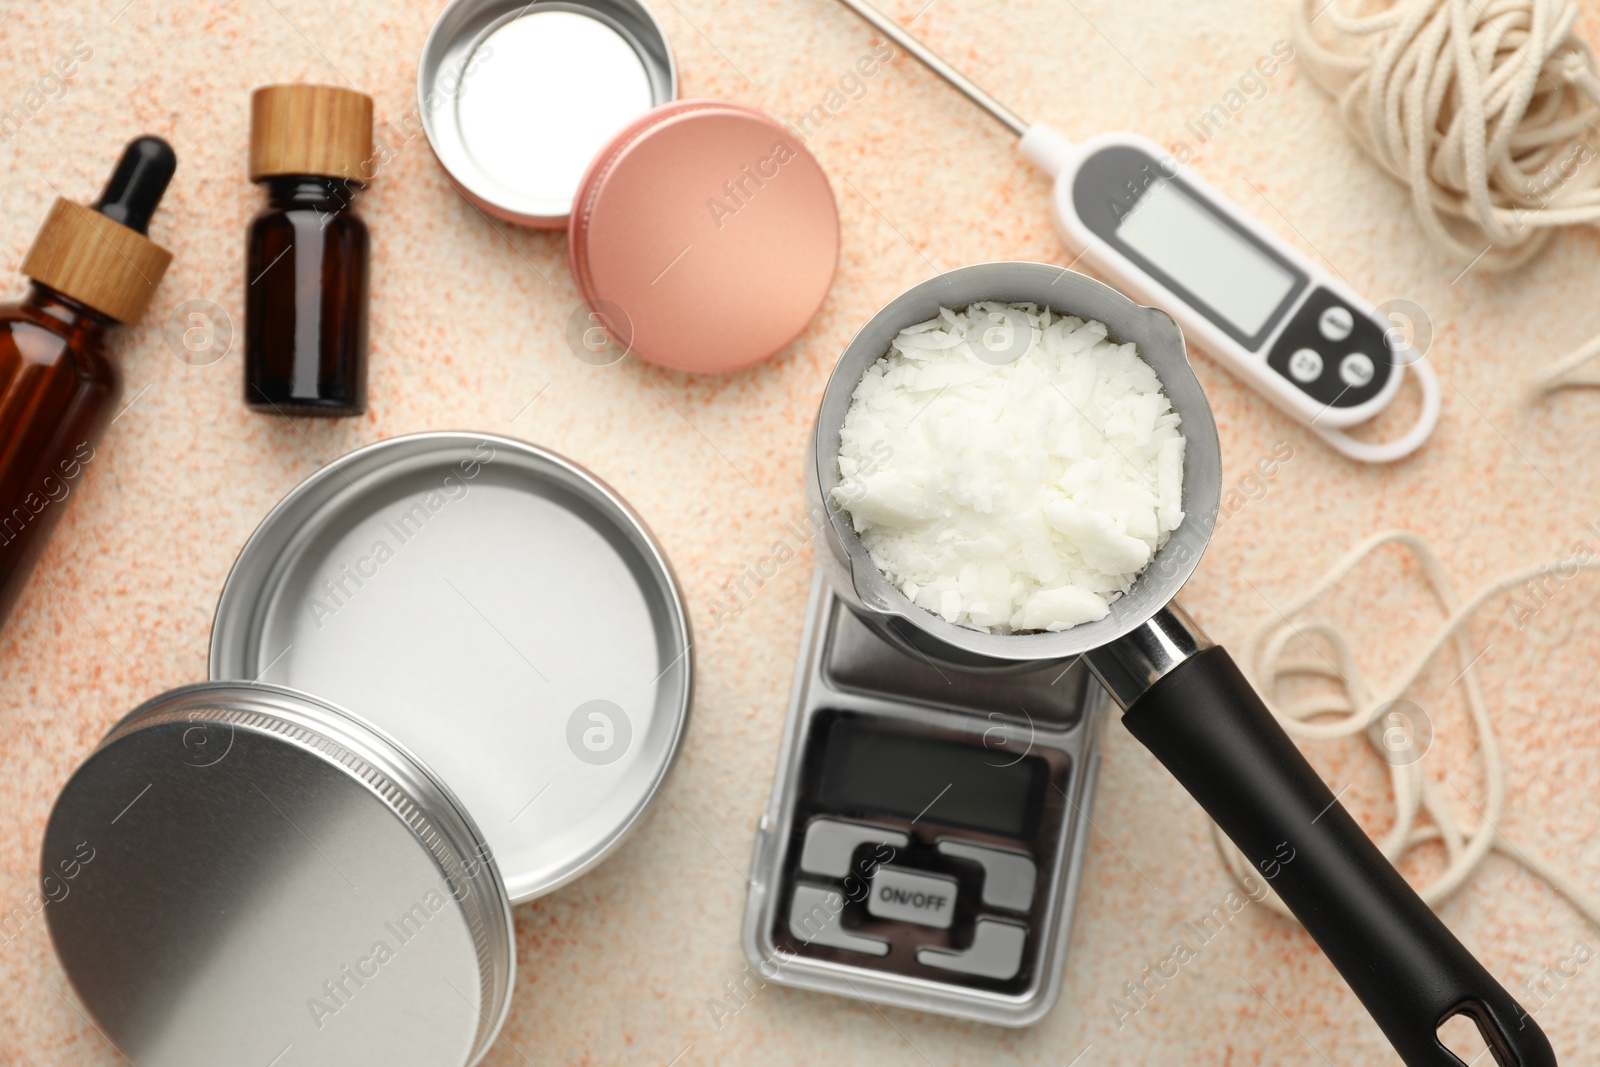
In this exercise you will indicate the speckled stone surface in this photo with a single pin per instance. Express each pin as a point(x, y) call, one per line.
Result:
point(629, 965)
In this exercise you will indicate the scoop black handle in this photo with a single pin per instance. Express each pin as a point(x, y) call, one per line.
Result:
point(1204, 721)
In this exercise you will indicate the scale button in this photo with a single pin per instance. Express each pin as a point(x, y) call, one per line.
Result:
point(1336, 323)
point(1007, 877)
point(996, 952)
point(1306, 365)
point(814, 920)
point(1356, 369)
point(924, 899)
point(830, 845)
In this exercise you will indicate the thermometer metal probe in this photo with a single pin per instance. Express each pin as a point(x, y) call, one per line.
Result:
point(1300, 336)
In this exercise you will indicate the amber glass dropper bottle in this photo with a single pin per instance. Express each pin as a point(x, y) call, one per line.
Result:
point(92, 268)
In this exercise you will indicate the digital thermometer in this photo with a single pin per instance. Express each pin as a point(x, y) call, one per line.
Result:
point(1301, 337)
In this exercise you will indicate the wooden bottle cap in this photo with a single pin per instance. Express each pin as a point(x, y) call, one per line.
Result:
point(95, 261)
point(310, 129)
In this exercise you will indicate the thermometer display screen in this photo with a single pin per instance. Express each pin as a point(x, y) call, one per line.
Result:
point(1206, 256)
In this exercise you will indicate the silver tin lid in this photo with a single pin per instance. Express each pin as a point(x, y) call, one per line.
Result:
point(245, 874)
point(499, 611)
point(518, 98)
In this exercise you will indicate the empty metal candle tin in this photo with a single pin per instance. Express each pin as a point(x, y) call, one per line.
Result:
point(245, 874)
point(500, 612)
point(517, 98)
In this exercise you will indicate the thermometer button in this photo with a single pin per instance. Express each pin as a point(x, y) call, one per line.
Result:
point(1356, 369)
point(1306, 365)
point(1336, 323)
point(1338, 374)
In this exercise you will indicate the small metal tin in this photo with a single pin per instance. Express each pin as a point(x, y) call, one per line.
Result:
point(495, 608)
point(517, 97)
point(244, 874)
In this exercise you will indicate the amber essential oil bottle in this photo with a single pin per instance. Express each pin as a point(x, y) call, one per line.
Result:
point(92, 268)
point(305, 303)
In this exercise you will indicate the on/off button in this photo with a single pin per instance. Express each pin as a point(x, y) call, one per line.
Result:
point(924, 899)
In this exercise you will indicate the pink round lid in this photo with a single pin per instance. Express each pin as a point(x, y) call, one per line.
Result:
point(705, 235)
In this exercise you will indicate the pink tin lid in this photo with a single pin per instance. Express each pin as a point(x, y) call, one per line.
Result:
point(706, 234)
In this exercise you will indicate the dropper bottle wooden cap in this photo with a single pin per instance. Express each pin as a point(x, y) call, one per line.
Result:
point(99, 256)
point(321, 130)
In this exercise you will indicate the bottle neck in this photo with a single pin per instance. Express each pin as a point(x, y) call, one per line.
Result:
point(311, 191)
point(69, 312)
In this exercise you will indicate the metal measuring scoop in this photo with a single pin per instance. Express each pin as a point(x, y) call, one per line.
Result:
point(1183, 697)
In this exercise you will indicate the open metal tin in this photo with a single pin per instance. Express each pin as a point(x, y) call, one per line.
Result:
point(245, 874)
point(485, 678)
point(518, 97)
point(498, 610)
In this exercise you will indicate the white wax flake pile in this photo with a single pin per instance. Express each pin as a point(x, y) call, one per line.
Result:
point(1019, 492)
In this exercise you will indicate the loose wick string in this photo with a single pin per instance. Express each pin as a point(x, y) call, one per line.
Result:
point(1355, 707)
point(1489, 111)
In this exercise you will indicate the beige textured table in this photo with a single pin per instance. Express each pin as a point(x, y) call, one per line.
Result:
point(633, 964)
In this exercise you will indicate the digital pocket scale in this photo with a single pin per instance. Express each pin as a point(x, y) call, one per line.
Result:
point(925, 836)
point(1298, 335)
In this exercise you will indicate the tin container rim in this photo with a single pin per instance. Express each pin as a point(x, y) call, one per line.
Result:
point(455, 35)
point(232, 632)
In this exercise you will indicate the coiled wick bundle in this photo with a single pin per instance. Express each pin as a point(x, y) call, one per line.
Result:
point(1489, 113)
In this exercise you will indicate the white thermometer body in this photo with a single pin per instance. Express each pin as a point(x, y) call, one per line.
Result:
point(1299, 335)
point(1302, 338)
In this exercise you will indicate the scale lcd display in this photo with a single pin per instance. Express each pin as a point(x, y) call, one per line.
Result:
point(868, 769)
point(1185, 239)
